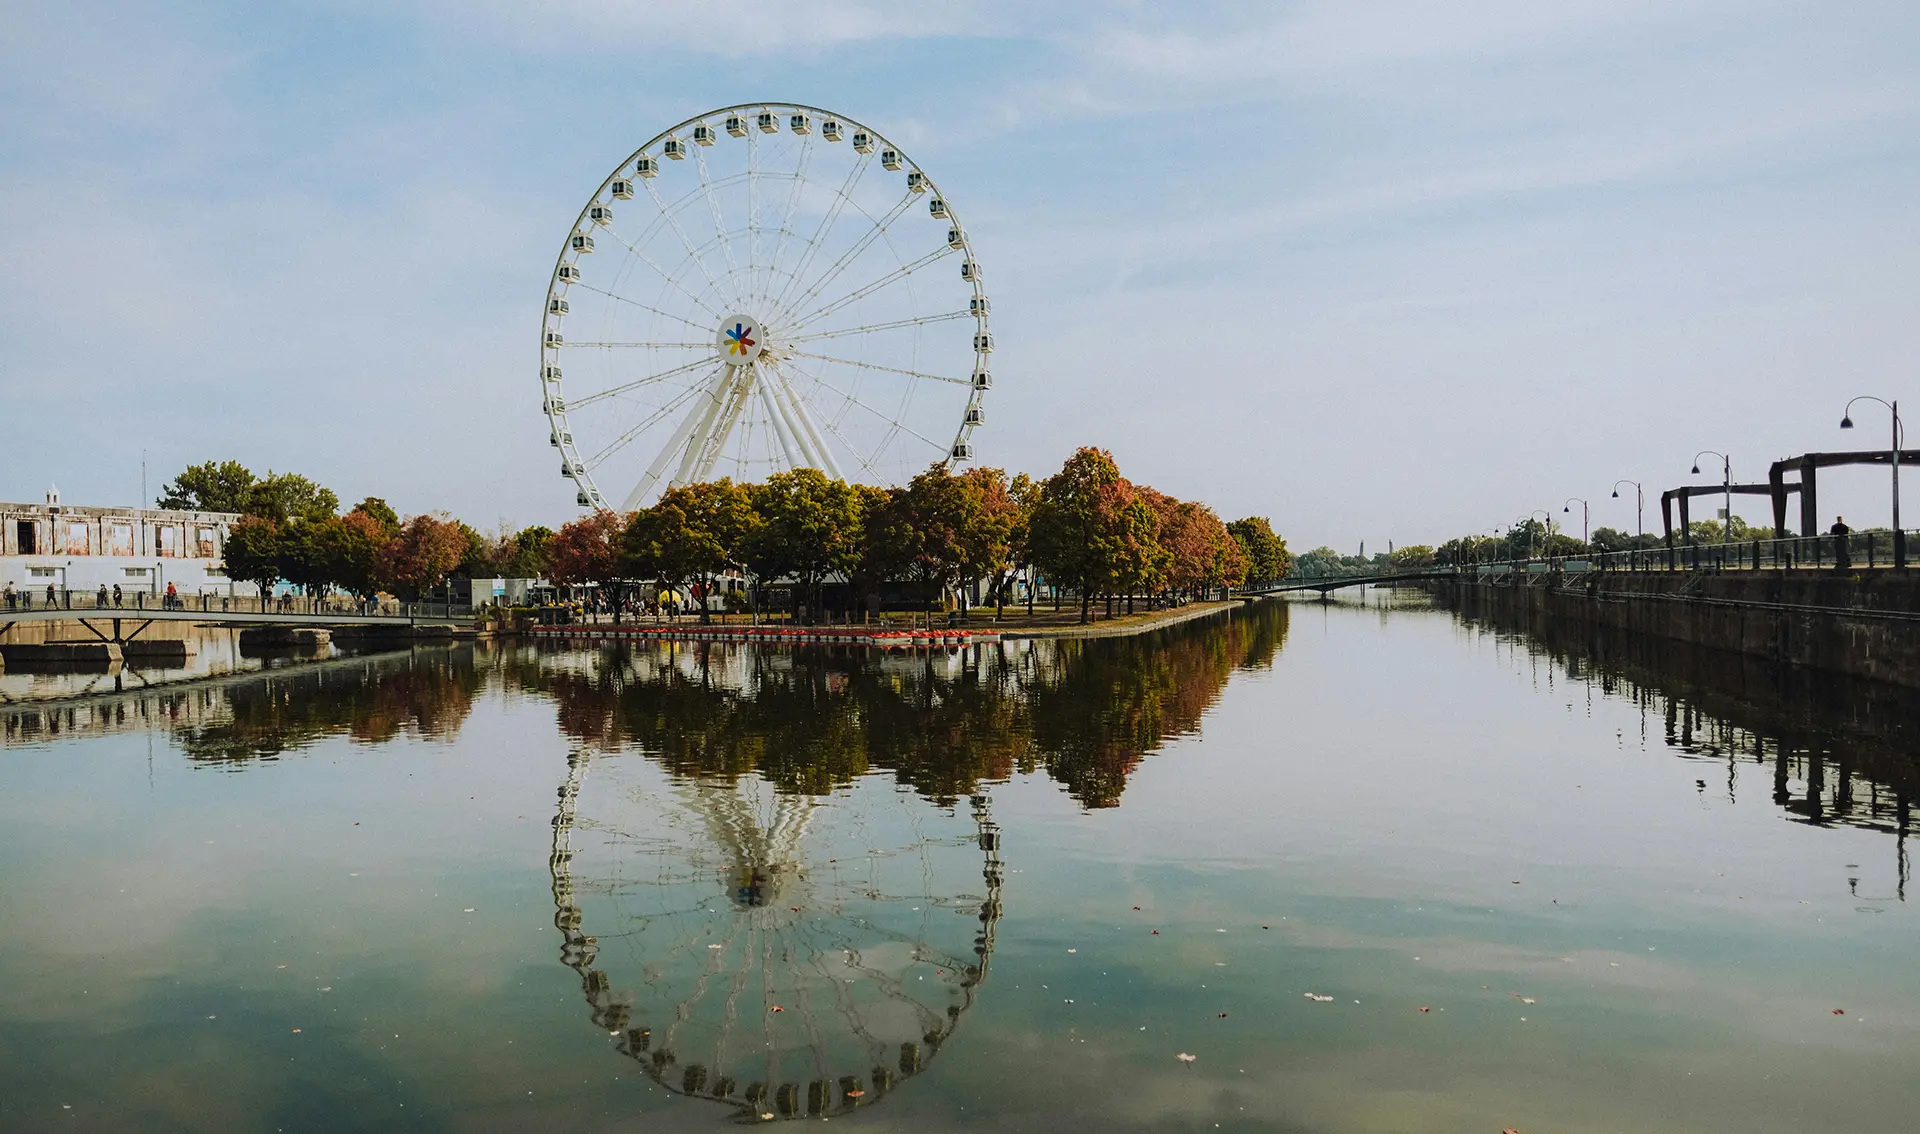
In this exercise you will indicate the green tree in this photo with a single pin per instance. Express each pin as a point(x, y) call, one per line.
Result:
point(253, 553)
point(1266, 555)
point(888, 541)
point(528, 552)
point(226, 486)
point(289, 496)
point(809, 526)
point(690, 536)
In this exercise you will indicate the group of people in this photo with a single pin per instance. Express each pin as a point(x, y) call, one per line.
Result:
point(103, 599)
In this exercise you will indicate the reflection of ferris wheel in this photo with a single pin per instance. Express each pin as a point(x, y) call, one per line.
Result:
point(763, 287)
point(787, 955)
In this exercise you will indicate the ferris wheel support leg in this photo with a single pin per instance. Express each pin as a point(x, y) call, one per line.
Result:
point(703, 433)
point(777, 420)
point(806, 422)
point(789, 413)
point(674, 443)
point(741, 393)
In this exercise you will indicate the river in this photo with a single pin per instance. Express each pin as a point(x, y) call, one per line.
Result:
point(1357, 866)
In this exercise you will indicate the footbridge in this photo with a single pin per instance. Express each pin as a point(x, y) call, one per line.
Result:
point(123, 624)
point(1326, 583)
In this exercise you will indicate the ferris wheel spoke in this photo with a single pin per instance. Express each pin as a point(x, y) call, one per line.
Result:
point(645, 307)
point(877, 366)
point(673, 221)
point(859, 293)
point(861, 245)
point(645, 424)
point(637, 345)
point(783, 431)
point(713, 206)
point(880, 414)
point(624, 387)
point(786, 217)
point(841, 200)
point(703, 434)
point(871, 328)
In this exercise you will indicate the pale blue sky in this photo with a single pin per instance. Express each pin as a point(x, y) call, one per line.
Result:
point(1378, 270)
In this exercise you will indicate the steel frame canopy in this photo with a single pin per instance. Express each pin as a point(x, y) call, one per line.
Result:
point(776, 286)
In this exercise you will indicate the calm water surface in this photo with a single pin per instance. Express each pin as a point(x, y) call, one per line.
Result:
point(1328, 868)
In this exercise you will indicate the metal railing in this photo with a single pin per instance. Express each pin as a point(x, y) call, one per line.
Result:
point(1854, 551)
point(105, 603)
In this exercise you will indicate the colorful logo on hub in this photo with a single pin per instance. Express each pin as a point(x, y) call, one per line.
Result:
point(738, 340)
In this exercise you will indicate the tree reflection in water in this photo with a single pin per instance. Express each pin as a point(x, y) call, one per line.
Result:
point(776, 871)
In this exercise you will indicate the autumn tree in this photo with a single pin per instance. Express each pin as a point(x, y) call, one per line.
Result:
point(381, 513)
point(888, 541)
point(986, 541)
point(421, 555)
point(587, 550)
point(1090, 527)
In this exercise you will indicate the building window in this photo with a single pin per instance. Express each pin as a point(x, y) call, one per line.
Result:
point(207, 549)
point(79, 539)
point(27, 535)
point(166, 542)
point(120, 539)
point(136, 572)
point(43, 572)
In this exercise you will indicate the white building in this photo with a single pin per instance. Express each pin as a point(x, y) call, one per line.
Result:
point(137, 549)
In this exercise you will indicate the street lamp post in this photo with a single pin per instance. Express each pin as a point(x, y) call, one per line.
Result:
point(1548, 519)
point(1726, 468)
point(1639, 504)
point(1568, 508)
point(1846, 422)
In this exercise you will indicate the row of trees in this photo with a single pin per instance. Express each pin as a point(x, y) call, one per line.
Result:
point(1086, 529)
point(289, 530)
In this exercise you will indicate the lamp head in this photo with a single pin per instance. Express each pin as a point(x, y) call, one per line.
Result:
point(1616, 494)
point(1846, 421)
point(1696, 470)
point(1567, 508)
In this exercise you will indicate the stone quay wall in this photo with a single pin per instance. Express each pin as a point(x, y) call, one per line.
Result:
point(1864, 624)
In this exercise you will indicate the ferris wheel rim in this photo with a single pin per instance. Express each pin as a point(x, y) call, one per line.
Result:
point(807, 434)
point(580, 950)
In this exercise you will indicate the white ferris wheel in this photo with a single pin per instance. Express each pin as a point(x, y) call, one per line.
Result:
point(761, 288)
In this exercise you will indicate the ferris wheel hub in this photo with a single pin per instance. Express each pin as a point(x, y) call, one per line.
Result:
point(741, 339)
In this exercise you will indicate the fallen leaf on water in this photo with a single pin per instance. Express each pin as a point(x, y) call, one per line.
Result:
point(1156, 933)
point(1185, 1058)
point(777, 1008)
point(1136, 907)
point(1223, 1015)
point(296, 1031)
point(1424, 1008)
point(855, 1094)
point(1839, 1011)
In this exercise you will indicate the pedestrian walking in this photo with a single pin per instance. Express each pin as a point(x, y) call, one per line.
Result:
point(173, 597)
point(1839, 531)
point(100, 598)
point(53, 597)
point(117, 597)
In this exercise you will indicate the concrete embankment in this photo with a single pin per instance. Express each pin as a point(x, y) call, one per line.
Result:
point(1865, 624)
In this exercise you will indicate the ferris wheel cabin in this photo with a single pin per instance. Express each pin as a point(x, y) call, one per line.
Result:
point(703, 135)
point(830, 129)
point(890, 158)
point(768, 123)
point(862, 142)
point(622, 189)
point(736, 126)
point(800, 124)
point(938, 208)
point(674, 148)
point(600, 214)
